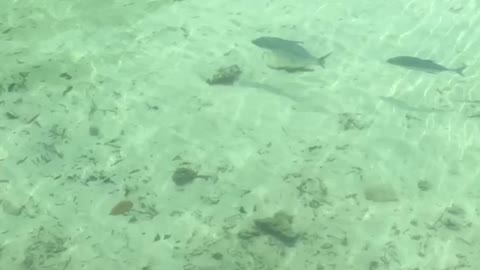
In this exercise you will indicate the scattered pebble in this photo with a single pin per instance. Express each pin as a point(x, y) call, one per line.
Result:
point(225, 75)
point(11, 208)
point(121, 208)
point(424, 185)
point(380, 193)
point(279, 226)
point(183, 176)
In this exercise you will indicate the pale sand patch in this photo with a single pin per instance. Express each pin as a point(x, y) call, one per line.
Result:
point(308, 144)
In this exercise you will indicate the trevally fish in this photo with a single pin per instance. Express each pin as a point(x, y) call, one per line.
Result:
point(288, 55)
point(424, 65)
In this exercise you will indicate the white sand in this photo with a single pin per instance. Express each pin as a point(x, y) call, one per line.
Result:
point(274, 141)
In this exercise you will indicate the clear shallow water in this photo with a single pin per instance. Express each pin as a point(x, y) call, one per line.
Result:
point(116, 154)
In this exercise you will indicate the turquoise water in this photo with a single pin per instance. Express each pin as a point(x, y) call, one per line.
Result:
point(155, 135)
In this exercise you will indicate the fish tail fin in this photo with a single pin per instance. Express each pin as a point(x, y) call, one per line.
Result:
point(460, 70)
point(321, 60)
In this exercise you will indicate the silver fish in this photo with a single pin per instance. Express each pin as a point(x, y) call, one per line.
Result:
point(424, 65)
point(288, 55)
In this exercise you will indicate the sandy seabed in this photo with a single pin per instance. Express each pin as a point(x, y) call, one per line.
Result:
point(368, 165)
